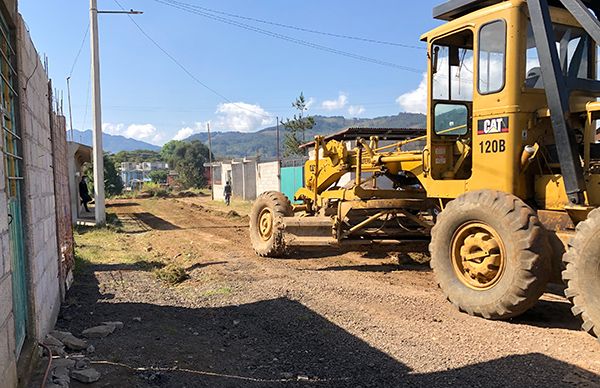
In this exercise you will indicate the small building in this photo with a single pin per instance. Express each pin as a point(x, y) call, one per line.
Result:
point(248, 177)
point(132, 172)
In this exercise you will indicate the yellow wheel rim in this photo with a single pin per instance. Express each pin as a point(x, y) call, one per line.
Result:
point(478, 255)
point(265, 224)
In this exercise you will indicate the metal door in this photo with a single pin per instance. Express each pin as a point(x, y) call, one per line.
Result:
point(291, 180)
point(13, 171)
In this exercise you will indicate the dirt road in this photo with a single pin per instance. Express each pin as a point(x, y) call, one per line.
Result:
point(318, 319)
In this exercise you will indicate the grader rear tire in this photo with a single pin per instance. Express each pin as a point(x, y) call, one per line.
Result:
point(486, 253)
point(266, 228)
point(582, 273)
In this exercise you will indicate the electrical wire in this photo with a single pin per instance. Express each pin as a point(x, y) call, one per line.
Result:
point(189, 73)
point(291, 27)
point(87, 101)
point(47, 372)
point(87, 31)
point(287, 38)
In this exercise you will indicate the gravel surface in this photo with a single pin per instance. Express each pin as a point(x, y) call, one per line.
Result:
point(321, 318)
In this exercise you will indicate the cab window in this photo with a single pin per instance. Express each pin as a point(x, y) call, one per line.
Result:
point(452, 83)
point(453, 67)
point(577, 53)
point(492, 57)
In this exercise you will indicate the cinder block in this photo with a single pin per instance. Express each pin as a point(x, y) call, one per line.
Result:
point(10, 326)
point(6, 356)
point(9, 376)
point(5, 296)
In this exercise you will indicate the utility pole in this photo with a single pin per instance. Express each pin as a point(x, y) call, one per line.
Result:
point(97, 113)
point(98, 159)
point(277, 129)
point(212, 176)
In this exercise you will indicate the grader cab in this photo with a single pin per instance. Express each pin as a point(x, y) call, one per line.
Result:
point(506, 185)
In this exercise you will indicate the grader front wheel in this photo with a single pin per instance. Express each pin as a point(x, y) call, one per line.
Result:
point(266, 228)
point(582, 273)
point(486, 253)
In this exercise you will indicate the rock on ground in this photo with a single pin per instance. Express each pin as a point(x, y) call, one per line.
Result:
point(87, 376)
point(98, 331)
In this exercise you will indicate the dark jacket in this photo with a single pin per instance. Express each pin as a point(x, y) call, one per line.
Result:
point(83, 192)
point(227, 190)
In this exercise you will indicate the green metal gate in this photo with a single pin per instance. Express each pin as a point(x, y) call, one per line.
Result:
point(292, 177)
point(12, 149)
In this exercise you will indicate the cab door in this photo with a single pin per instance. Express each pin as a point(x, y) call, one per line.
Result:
point(451, 110)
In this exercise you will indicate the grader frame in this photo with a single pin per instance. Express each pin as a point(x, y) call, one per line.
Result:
point(507, 182)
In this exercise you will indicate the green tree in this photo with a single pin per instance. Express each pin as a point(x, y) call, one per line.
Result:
point(136, 156)
point(158, 176)
point(187, 158)
point(113, 185)
point(296, 128)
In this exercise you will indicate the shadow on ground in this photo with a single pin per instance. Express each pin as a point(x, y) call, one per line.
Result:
point(271, 343)
point(121, 204)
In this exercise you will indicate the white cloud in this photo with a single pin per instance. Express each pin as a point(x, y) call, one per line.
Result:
point(188, 131)
point(337, 104)
point(416, 100)
point(242, 117)
point(356, 110)
point(184, 133)
point(310, 102)
point(113, 129)
point(143, 132)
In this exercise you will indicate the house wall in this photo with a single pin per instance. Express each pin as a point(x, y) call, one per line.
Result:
point(267, 177)
point(250, 181)
point(39, 199)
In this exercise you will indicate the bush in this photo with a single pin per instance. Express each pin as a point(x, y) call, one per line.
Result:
point(171, 274)
point(155, 190)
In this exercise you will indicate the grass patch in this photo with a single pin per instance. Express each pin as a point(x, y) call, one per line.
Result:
point(171, 274)
point(105, 246)
point(218, 291)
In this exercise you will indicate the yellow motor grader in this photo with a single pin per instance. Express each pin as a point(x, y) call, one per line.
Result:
point(506, 182)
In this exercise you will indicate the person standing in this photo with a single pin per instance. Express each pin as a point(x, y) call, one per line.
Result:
point(227, 193)
point(84, 194)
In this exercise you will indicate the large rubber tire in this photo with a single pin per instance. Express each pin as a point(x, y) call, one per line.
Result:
point(524, 273)
point(582, 273)
point(273, 205)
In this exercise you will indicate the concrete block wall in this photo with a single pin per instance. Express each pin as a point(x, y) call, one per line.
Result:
point(267, 177)
point(62, 200)
point(39, 198)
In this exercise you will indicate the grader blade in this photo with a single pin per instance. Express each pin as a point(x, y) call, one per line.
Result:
point(308, 231)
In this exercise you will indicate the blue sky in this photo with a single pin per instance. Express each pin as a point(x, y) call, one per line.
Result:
point(148, 97)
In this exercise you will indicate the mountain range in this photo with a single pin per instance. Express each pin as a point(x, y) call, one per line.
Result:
point(113, 143)
point(241, 144)
point(263, 142)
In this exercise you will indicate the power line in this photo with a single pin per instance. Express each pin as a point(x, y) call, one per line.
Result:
point(170, 3)
point(87, 101)
point(87, 30)
point(291, 27)
point(182, 67)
